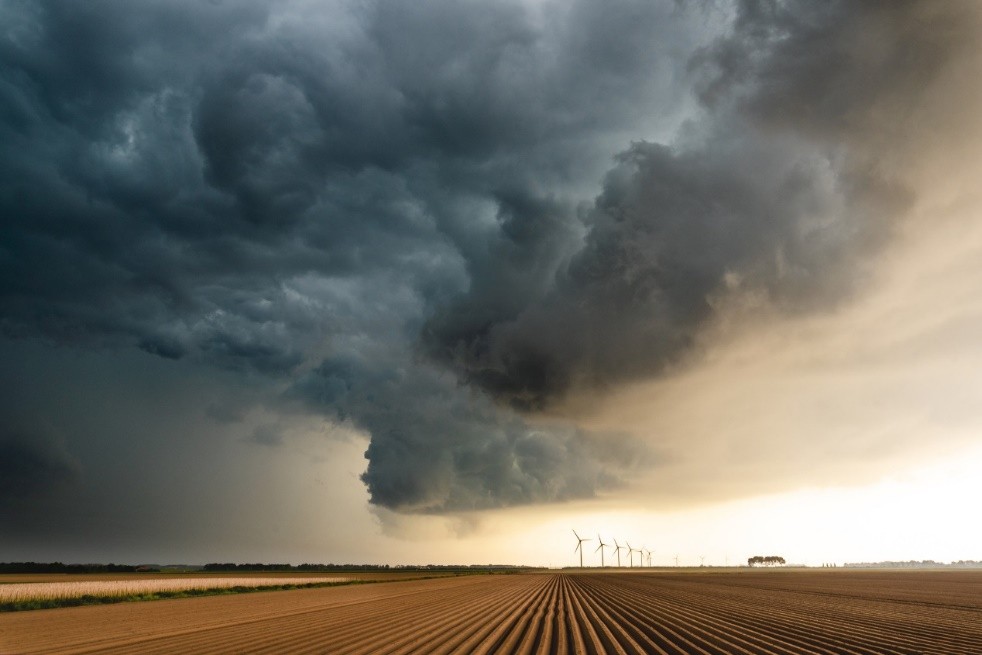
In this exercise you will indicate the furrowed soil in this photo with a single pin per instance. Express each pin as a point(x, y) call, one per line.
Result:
point(679, 612)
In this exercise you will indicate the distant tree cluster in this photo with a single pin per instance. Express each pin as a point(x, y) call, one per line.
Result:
point(766, 560)
point(230, 566)
point(58, 567)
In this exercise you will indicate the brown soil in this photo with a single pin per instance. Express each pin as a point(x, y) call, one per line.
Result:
point(768, 612)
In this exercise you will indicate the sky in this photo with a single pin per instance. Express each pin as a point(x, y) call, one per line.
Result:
point(440, 282)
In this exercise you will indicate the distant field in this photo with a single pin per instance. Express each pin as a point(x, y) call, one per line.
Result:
point(28, 592)
point(25, 591)
point(667, 612)
point(395, 574)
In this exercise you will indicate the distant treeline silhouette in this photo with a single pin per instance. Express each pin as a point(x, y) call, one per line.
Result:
point(58, 567)
point(767, 560)
point(230, 566)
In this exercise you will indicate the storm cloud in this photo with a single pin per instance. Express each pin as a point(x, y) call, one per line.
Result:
point(775, 192)
point(433, 221)
point(32, 464)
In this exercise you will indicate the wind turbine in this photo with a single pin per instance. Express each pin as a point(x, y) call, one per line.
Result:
point(676, 559)
point(618, 548)
point(601, 549)
point(630, 553)
point(645, 555)
point(579, 547)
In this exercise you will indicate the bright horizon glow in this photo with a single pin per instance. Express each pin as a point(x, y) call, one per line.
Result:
point(920, 514)
point(917, 514)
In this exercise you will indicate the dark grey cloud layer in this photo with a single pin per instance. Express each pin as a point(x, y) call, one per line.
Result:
point(32, 464)
point(775, 192)
point(396, 214)
point(435, 448)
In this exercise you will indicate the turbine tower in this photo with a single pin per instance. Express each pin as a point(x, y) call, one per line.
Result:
point(579, 547)
point(645, 555)
point(630, 553)
point(618, 548)
point(601, 549)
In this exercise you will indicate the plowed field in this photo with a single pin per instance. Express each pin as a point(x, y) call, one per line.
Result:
point(773, 612)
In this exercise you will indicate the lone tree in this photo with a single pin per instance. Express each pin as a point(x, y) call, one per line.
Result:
point(769, 560)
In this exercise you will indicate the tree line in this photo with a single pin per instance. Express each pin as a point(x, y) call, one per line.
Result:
point(58, 567)
point(230, 566)
point(766, 560)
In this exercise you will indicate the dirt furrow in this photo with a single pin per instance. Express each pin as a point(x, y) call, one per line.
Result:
point(723, 629)
point(691, 623)
point(877, 628)
point(595, 613)
point(525, 624)
point(488, 639)
point(420, 624)
point(619, 632)
point(382, 627)
point(541, 631)
point(623, 612)
point(445, 631)
point(343, 625)
point(573, 637)
point(773, 635)
point(832, 626)
point(117, 626)
point(94, 627)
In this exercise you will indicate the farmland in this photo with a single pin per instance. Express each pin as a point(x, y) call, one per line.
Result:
point(665, 611)
point(27, 591)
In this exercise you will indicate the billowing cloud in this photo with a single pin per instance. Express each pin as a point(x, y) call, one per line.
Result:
point(777, 191)
point(405, 217)
point(436, 447)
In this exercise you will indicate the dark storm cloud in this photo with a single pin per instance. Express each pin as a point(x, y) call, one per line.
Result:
point(32, 464)
point(172, 166)
point(835, 69)
point(367, 204)
point(777, 192)
point(436, 449)
point(253, 187)
point(671, 232)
